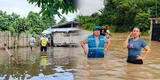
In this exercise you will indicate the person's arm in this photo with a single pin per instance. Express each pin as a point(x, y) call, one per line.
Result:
point(83, 46)
point(109, 34)
point(40, 41)
point(107, 45)
point(34, 40)
point(125, 45)
point(47, 40)
point(147, 50)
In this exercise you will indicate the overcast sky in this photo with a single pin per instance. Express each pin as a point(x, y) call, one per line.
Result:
point(22, 7)
point(88, 7)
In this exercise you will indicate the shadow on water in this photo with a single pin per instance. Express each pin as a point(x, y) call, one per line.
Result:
point(37, 65)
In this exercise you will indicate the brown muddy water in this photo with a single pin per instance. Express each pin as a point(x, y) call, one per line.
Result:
point(69, 63)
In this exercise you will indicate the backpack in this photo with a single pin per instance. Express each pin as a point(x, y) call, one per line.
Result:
point(44, 42)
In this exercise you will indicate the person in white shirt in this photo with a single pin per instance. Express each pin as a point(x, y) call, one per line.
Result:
point(32, 42)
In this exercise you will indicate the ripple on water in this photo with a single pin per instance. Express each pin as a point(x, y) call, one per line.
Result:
point(56, 76)
point(157, 66)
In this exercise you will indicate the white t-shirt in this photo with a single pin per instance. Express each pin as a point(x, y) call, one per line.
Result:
point(32, 41)
point(108, 31)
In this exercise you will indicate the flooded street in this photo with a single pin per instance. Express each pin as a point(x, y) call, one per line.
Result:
point(70, 63)
point(115, 67)
point(38, 66)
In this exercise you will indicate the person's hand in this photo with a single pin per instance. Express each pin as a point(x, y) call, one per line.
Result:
point(139, 57)
point(130, 35)
point(106, 50)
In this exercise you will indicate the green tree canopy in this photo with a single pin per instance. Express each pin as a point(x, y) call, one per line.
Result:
point(52, 7)
point(12, 22)
point(34, 23)
point(88, 21)
point(123, 15)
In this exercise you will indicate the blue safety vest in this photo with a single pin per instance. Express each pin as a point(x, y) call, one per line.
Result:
point(96, 51)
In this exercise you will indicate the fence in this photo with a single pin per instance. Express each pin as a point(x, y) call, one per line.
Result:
point(156, 32)
point(12, 40)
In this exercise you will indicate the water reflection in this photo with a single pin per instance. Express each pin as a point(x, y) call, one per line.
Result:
point(44, 61)
point(37, 66)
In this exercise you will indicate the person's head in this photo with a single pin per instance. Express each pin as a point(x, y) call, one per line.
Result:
point(136, 32)
point(96, 30)
point(44, 35)
point(105, 27)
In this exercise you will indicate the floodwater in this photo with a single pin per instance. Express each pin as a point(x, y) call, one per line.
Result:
point(115, 67)
point(70, 63)
point(36, 65)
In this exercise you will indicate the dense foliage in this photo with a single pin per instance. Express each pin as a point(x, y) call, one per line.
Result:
point(120, 15)
point(34, 23)
point(52, 7)
point(123, 15)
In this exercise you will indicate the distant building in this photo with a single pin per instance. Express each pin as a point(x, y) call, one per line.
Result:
point(71, 24)
point(66, 34)
point(155, 28)
point(65, 27)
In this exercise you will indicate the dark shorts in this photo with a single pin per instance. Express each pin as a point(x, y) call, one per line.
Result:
point(136, 61)
point(132, 59)
point(43, 48)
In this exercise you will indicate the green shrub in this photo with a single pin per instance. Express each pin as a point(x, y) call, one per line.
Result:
point(112, 28)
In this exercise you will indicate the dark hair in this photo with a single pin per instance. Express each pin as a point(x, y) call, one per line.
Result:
point(106, 26)
point(137, 28)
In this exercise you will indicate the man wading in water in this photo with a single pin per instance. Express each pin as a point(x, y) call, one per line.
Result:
point(97, 44)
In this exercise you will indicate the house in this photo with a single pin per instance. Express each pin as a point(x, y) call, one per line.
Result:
point(65, 27)
point(65, 34)
point(155, 29)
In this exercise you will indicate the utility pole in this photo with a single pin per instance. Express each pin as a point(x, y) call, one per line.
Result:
point(150, 36)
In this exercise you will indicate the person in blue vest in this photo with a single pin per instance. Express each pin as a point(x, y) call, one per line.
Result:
point(135, 43)
point(97, 44)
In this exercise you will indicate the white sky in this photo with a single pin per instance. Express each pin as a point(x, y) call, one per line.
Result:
point(22, 7)
point(88, 7)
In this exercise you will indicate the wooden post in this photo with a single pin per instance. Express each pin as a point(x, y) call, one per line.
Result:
point(150, 36)
point(8, 40)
